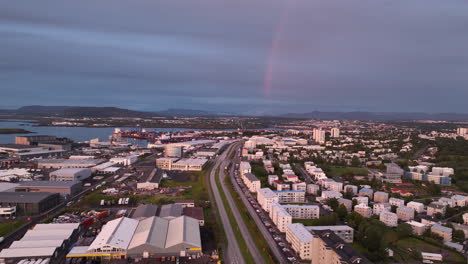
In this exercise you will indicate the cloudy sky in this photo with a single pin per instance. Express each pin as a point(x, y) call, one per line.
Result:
point(260, 56)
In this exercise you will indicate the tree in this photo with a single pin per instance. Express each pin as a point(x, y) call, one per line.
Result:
point(342, 212)
point(433, 188)
point(333, 203)
point(458, 236)
point(355, 162)
point(404, 230)
point(438, 215)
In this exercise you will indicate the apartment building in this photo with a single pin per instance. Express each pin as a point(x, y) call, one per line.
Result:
point(417, 227)
point(389, 218)
point(361, 200)
point(405, 213)
point(366, 192)
point(331, 194)
point(300, 239)
point(244, 168)
point(343, 231)
point(460, 200)
point(335, 186)
point(252, 182)
point(444, 232)
point(347, 203)
point(266, 197)
point(396, 202)
point(280, 217)
point(290, 196)
point(381, 197)
point(363, 210)
point(434, 208)
point(378, 208)
point(418, 207)
point(327, 248)
point(299, 186)
point(302, 211)
point(313, 189)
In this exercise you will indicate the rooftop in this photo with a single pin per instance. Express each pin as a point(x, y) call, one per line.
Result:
point(48, 183)
point(24, 197)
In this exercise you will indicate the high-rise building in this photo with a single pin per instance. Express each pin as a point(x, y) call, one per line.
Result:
point(335, 132)
point(462, 131)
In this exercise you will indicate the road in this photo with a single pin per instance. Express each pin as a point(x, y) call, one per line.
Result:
point(242, 227)
point(308, 179)
point(275, 249)
point(233, 253)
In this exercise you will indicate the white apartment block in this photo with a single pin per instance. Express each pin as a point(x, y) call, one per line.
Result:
point(363, 210)
point(389, 218)
point(336, 186)
point(447, 202)
point(302, 211)
point(331, 194)
point(405, 213)
point(460, 200)
point(280, 217)
point(418, 228)
point(335, 132)
point(290, 196)
point(343, 231)
point(266, 197)
point(444, 232)
point(362, 200)
point(313, 189)
point(381, 197)
point(396, 202)
point(244, 168)
point(347, 203)
point(252, 182)
point(418, 207)
point(465, 218)
point(272, 179)
point(300, 239)
point(299, 186)
point(378, 208)
point(434, 208)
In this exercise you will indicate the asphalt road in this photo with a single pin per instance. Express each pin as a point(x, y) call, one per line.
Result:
point(275, 249)
point(242, 228)
point(233, 253)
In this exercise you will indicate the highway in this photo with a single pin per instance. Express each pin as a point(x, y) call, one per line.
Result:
point(233, 254)
point(237, 216)
point(275, 249)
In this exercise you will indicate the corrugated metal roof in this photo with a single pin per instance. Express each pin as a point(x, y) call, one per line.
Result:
point(116, 233)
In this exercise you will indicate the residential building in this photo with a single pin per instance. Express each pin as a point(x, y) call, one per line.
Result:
point(465, 218)
point(343, 231)
point(299, 186)
point(366, 192)
point(335, 132)
point(252, 182)
point(290, 196)
point(313, 189)
point(405, 213)
point(361, 200)
point(298, 211)
point(381, 197)
point(280, 217)
point(460, 200)
point(300, 239)
point(245, 167)
point(336, 186)
point(389, 219)
point(272, 179)
point(266, 197)
point(331, 194)
point(363, 210)
point(378, 208)
point(434, 208)
point(418, 228)
point(327, 247)
point(418, 207)
point(444, 232)
point(396, 202)
point(347, 203)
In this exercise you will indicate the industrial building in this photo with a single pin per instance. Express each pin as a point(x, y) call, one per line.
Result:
point(29, 203)
point(189, 164)
point(70, 174)
point(62, 187)
point(44, 241)
point(145, 238)
point(68, 163)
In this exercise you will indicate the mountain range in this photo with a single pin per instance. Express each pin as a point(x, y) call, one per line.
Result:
point(107, 112)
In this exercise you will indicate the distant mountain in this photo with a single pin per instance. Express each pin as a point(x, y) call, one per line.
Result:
point(380, 116)
point(77, 111)
point(191, 112)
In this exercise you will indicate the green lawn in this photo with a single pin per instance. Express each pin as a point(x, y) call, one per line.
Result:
point(340, 171)
point(409, 247)
point(6, 228)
